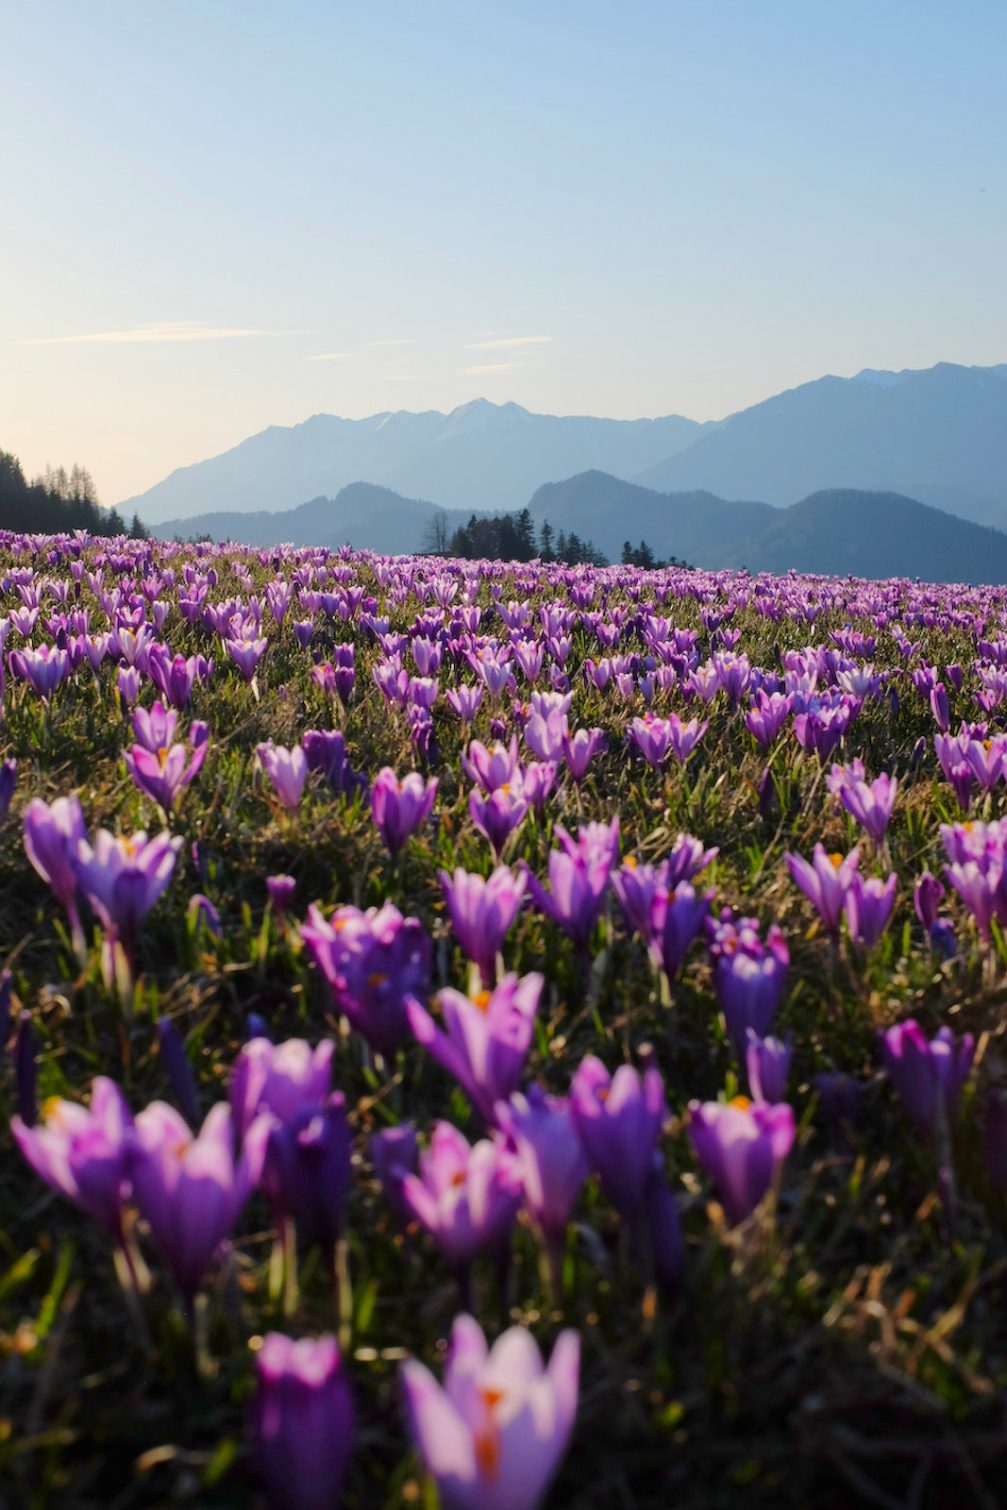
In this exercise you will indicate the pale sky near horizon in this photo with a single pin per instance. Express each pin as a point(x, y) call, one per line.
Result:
point(223, 214)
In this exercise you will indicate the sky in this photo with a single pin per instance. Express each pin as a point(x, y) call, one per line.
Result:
point(218, 215)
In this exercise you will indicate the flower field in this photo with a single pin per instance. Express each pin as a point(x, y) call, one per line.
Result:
point(493, 1035)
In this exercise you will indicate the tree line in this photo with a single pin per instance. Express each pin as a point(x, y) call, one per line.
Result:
point(513, 537)
point(509, 537)
point(56, 502)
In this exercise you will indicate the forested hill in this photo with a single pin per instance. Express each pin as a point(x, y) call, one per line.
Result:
point(55, 502)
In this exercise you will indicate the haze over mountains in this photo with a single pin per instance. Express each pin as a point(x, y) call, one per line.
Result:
point(771, 487)
point(481, 455)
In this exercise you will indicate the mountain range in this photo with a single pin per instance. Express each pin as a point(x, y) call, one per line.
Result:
point(880, 474)
point(840, 532)
point(938, 435)
point(481, 455)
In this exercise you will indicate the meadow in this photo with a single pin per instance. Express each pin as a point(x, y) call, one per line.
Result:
point(406, 951)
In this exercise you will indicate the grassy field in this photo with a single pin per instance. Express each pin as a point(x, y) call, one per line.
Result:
point(844, 1344)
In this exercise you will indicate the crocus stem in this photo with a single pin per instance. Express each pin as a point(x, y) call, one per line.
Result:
point(276, 1268)
point(129, 1283)
point(555, 1251)
point(946, 1187)
point(77, 937)
point(289, 1239)
point(343, 1288)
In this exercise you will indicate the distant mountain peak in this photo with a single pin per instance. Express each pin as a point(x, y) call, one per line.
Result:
point(880, 377)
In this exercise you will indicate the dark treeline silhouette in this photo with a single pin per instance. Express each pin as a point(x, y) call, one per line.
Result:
point(511, 537)
point(642, 555)
point(57, 501)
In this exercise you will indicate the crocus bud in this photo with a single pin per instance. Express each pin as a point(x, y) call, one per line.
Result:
point(281, 893)
point(179, 1070)
point(301, 1422)
point(24, 1070)
point(927, 895)
point(768, 1063)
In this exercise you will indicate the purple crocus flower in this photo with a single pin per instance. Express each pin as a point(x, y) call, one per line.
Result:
point(325, 751)
point(928, 1074)
point(372, 961)
point(869, 904)
point(81, 1151)
point(578, 878)
point(308, 1162)
point(767, 1061)
point(491, 768)
point(246, 654)
point(580, 748)
point(676, 917)
point(652, 737)
point(927, 894)
point(551, 1161)
point(825, 881)
point(618, 1119)
point(464, 701)
point(637, 887)
point(399, 807)
point(162, 775)
point(52, 833)
point(281, 893)
point(190, 1188)
point(749, 974)
point(44, 669)
point(499, 814)
point(482, 912)
point(154, 729)
point(286, 769)
point(395, 1152)
point(202, 912)
point(686, 858)
point(869, 802)
point(487, 1040)
point(465, 1196)
point(741, 1145)
point(494, 1435)
point(301, 1422)
point(767, 715)
point(123, 878)
point(284, 1079)
point(8, 781)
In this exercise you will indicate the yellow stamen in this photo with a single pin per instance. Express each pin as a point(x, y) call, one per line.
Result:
point(742, 1103)
point(482, 1000)
point(836, 859)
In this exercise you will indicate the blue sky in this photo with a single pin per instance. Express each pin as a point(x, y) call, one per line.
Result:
point(221, 214)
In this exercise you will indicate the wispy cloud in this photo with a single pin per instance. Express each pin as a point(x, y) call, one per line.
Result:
point(486, 368)
point(329, 356)
point(509, 343)
point(182, 330)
